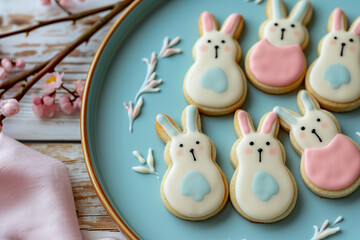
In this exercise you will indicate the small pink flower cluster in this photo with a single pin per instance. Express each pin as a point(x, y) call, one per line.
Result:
point(9, 107)
point(46, 106)
point(7, 66)
point(62, 2)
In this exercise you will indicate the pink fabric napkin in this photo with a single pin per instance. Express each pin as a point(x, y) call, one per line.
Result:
point(36, 200)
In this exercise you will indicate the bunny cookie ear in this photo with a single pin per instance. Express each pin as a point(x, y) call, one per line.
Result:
point(355, 27)
point(288, 118)
point(207, 23)
point(243, 124)
point(192, 119)
point(269, 124)
point(307, 102)
point(166, 128)
point(277, 9)
point(301, 12)
point(337, 21)
point(233, 25)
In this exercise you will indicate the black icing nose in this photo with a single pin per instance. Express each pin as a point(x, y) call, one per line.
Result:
point(216, 47)
point(260, 150)
point(343, 44)
point(283, 29)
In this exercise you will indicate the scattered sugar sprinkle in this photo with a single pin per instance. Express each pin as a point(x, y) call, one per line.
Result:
point(149, 162)
point(326, 231)
point(358, 133)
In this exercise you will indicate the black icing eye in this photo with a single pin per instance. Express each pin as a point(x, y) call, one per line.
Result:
point(222, 41)
point(318, 119)
point(181, 145)
point(302, 128)
point(335, 37)
point(209, 41)
point(197, 142)
point(276, 24)
point(351, 40)
point(268, 143)
point(251, 143)
point(292, 25)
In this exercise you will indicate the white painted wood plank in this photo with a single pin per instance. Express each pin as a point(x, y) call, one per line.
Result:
point(41, 45)
point(96, 235)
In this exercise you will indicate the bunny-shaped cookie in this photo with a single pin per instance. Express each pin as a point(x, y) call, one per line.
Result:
point(330, 161)
point(215, 84)
point(276, 64)
point(194, 187)
point(262, 188)
point(334, 78)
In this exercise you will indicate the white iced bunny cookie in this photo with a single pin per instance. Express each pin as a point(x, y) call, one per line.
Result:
point(334, 78)
point(194, 187)
point(330, 161)
point(262, 188)
point(276, 64)
point(215, 84)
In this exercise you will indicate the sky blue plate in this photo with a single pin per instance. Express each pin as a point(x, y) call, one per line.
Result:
point(117, 76)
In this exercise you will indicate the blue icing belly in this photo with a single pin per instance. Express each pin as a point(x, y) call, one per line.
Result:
point(194, 185)
point(215, 79)
point(336, 75)
point(264, 185)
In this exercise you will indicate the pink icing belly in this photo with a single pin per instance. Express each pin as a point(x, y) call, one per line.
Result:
point(334, 167)
point(276, 66)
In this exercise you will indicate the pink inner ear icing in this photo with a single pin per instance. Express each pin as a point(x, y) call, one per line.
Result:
point(337, 19)
point(244, 125)
point(269, 122)
point(207, 21)
point(231, 23)
point(356, 29)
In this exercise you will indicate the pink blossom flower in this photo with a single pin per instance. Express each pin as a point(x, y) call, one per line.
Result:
point(66, 105)
point(42, 110)
point(77, 103)
point(53, 81)
point(19, 63)
point(3, 74)
point(44, 2)
point(79, 87)
point(9, 107)
point(7, 64)
point(48, 100)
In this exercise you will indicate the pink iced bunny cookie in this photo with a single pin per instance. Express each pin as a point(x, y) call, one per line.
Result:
point(262, 189)
point(330, 161)
point(215, 84)
point(276, 64)
point(334, 78)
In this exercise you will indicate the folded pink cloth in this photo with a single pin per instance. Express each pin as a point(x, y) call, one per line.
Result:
point(36, 200)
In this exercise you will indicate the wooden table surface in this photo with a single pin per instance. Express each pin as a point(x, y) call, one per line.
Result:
point(58, 137)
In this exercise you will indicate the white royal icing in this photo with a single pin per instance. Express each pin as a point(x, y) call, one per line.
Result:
point(225, 60)
point(150, 83)
point(326, 231)
point(330, 54)
point(314, 125)
point(150, 169)
point(281, 31)
point(184, 161)
point(273, 164)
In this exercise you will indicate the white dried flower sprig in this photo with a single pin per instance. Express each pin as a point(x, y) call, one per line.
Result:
point(326, 231)
point(256, 1)
point(149, 161)
point(150, 82)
